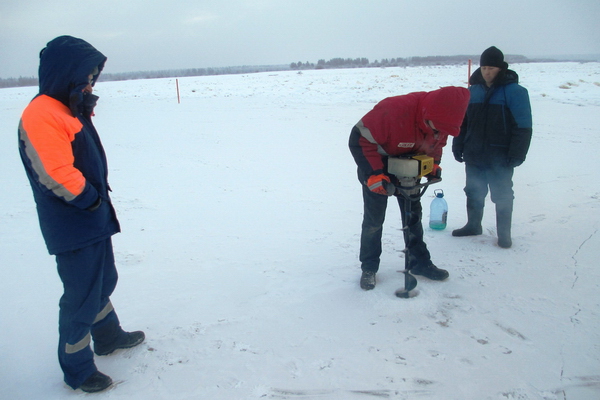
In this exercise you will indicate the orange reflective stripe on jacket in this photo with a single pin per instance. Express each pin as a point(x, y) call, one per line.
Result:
point(48, 128)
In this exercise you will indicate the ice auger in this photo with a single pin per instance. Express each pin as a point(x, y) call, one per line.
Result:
point(409, 170)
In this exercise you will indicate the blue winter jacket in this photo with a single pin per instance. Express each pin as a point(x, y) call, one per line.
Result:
point(498, 123)
point(61, 150)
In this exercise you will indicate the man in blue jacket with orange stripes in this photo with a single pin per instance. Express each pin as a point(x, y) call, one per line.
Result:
point(67, 169)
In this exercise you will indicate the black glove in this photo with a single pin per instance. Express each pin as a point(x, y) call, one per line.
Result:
point(458, 155)
point(513, 162)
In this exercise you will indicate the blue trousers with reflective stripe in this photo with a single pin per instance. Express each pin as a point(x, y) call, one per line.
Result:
point(89, 277)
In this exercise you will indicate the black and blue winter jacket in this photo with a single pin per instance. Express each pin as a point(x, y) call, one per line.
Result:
point(498, 122)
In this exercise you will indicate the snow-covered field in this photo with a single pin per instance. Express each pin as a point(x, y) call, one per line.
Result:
point(241, 214)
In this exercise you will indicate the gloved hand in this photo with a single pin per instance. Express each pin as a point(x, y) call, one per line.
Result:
point(378, 184)
point(512, 162)
point(458, 155)
point(436, 173)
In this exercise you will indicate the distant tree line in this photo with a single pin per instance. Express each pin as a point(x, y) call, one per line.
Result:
point(179, 73)
point(18, 82)
point(321, 64)
point(333, 63)
point(396, 62)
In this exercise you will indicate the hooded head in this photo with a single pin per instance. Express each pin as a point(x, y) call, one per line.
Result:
point(65, 66)
point(492, 57)
point(446, 108)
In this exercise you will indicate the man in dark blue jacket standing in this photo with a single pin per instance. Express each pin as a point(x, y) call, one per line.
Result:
point(68, 172)
point(494, 139)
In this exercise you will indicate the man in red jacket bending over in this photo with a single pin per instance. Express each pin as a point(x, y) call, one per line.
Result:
point(415, 123)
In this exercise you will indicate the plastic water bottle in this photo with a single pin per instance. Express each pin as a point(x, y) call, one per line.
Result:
point(438, 212)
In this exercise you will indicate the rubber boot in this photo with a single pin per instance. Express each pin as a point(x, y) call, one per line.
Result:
point(474, 217)
point(503, 224)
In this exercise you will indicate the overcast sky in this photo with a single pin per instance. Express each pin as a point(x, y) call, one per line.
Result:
point(176, 34)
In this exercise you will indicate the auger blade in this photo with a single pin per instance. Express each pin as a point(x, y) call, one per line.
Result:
point(410, 282)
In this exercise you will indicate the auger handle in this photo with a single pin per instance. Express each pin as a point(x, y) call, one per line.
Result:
point(421, 187)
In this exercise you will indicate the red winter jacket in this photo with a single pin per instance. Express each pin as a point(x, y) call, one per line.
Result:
point(397, 125)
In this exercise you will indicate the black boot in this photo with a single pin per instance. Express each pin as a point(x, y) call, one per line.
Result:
point(431, 271)
point(125, 340)
point(474, 217)
point(503, 223)
point(367, 280)
point(97, 382)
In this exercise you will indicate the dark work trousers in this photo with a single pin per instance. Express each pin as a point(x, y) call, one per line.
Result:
point(89, 277)
point(498, 178)
point(375, 206)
